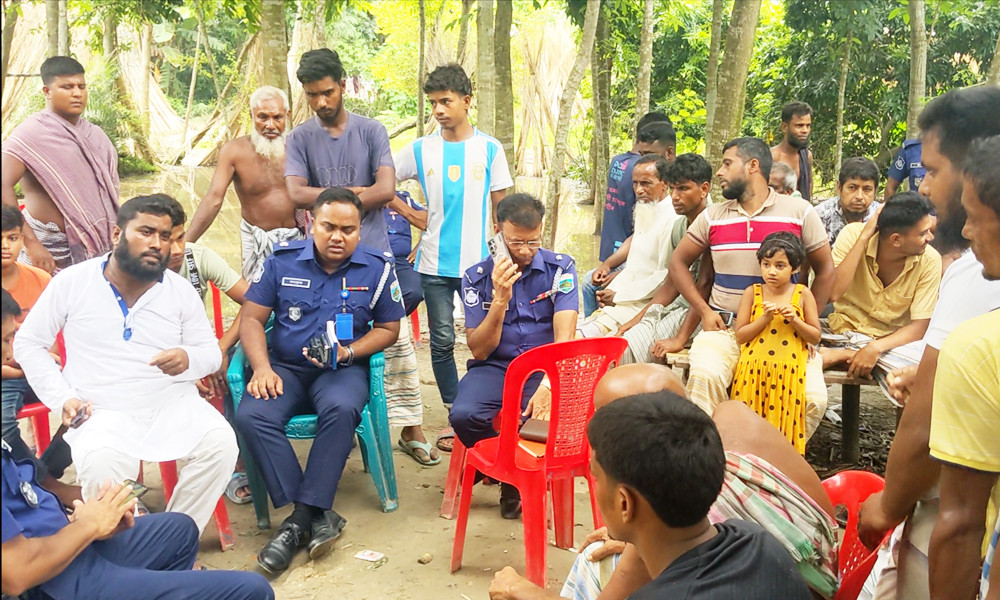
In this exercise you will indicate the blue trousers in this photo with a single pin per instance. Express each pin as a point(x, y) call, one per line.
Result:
point(589, 291)
point(439, 296)
point(150, 561)
point(480, 396)
point(337, 398)
point(409, 283)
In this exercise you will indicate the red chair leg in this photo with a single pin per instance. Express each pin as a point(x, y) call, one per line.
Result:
point(415, 325)
point(40, 427)
point(455, 467)
point(594, 508)
point(562, 508)
point(168, 473)
point(534, 506)
point(464, 504)
point(224, 526)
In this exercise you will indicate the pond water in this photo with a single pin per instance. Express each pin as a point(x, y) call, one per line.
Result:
point(189, 184)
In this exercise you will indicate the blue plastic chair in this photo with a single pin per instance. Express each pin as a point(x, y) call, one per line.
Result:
point(372, 432)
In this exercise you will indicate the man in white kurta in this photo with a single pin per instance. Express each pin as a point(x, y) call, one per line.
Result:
point(138, 412)
point(648, 252)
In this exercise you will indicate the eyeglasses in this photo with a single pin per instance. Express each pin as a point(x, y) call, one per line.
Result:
point(518, 244)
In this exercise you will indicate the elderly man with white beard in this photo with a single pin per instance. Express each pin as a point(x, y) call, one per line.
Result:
point(255, 164)
point(648, 250)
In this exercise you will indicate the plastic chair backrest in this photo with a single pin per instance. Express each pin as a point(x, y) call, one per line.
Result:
point(854, 560)
point(574, 368)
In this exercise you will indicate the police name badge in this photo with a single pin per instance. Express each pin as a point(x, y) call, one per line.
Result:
point(297, 282)
point(294, 313)
point(471, 296)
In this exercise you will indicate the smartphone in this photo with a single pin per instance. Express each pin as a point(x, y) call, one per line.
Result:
point(80, 417)
point(497, 247)
point(728, 317)
point(138, 490)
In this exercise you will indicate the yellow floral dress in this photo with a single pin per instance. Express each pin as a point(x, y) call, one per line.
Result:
point(770, 375)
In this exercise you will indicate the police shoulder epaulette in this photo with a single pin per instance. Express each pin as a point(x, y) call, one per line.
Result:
point(289, 245)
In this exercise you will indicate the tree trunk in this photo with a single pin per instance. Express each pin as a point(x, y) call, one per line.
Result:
point(421, 68)
point(219, 93)
point(600, 150)
point(463, 32)
point(274, 46)
point(190, 98)
point(9, 23)
point(918, 66)
point(993, 76)
point(484, 66)
point(732, 80)
point(503, 124)
point(645, 63)
point(712, 72)
point(52, 27)
point(562, 124)
point(146, 46)
point(845, 64)
point(109, 36)
point(63, 28)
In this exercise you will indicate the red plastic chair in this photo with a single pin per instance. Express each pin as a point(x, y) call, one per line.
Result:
point(854, 561)
point(415, 325)
point(39, 415)
point(574, 368)
point(216, 311)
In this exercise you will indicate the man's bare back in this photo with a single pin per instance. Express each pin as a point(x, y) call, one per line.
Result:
point(260, 186)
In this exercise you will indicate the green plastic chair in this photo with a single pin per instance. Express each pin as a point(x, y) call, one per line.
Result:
point(372, 432)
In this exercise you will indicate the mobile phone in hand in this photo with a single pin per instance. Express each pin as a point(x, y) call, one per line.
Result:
point(497, 248)
point(138, 490)
point(727, 317)
point(78, 418)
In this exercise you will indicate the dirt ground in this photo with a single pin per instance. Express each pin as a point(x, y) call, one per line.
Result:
point(415, 528)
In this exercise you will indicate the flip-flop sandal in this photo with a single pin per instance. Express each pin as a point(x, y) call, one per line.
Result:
point(446, 434)
point(238, 482)
point(411, 447)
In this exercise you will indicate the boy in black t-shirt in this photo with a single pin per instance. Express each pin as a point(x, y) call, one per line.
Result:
point(658, 463)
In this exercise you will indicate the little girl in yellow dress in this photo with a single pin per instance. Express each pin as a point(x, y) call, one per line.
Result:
point(777, 321)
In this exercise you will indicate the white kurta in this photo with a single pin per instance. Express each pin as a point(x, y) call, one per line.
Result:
point(138, 410)
point(645, 269)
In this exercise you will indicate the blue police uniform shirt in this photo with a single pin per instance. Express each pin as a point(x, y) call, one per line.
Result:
point(19, 516)
point(304, 296)
point(908, 164)
point(398, 228)
point(546, 287)
point(619, 203)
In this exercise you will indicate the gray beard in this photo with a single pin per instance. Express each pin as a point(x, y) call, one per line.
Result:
point(644, 216)
point(269, 149)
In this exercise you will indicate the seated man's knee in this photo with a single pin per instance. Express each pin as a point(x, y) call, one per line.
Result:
point(221, 443)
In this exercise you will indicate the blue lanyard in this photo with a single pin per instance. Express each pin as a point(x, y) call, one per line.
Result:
point(126, 330)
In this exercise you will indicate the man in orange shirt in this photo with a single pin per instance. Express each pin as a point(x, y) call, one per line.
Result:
point(24, 283)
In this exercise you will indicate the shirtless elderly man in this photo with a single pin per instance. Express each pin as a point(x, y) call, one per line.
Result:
point(761, 467)
point(255, 165)
point(68, 170)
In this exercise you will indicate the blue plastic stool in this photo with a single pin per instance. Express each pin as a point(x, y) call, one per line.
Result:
point(373, 437)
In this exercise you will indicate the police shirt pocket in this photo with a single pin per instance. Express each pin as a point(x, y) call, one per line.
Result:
point(294, 307)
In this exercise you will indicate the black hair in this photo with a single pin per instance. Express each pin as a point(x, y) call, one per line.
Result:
point(666, 449)
point(661, 164)
point(981, 170)
point(750, 148)
point(153, 204)
point(689, 167)
point(319, 64)
point(660, 131)
point(338, 195)
point(787, 242)
point(858, 167)
point(902, 211)
point(10, 218)
point(960, 116)
point(523, 210)
point(9, 307)
point(59, 66)
point(795, 109)
point(448, 78)
point(650, 117)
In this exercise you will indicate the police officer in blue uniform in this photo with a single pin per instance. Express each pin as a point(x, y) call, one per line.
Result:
point(401, 243)
point(512, 305)
point(327, 283)
point(101, 552)
point(906, 165)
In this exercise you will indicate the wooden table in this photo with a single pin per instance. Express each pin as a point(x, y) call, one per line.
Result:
point(850, 447)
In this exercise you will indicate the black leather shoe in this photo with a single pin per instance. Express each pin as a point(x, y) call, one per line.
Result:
point(510, 501)
point(325, 529)
point(278, 553)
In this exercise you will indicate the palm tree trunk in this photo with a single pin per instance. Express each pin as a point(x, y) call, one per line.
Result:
point(274, 46)
point(63, 28)
point(712, 72)
point(484, 66)
point(918, 66)
point(52, 27)
point(562, 124)
point(503, 123)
